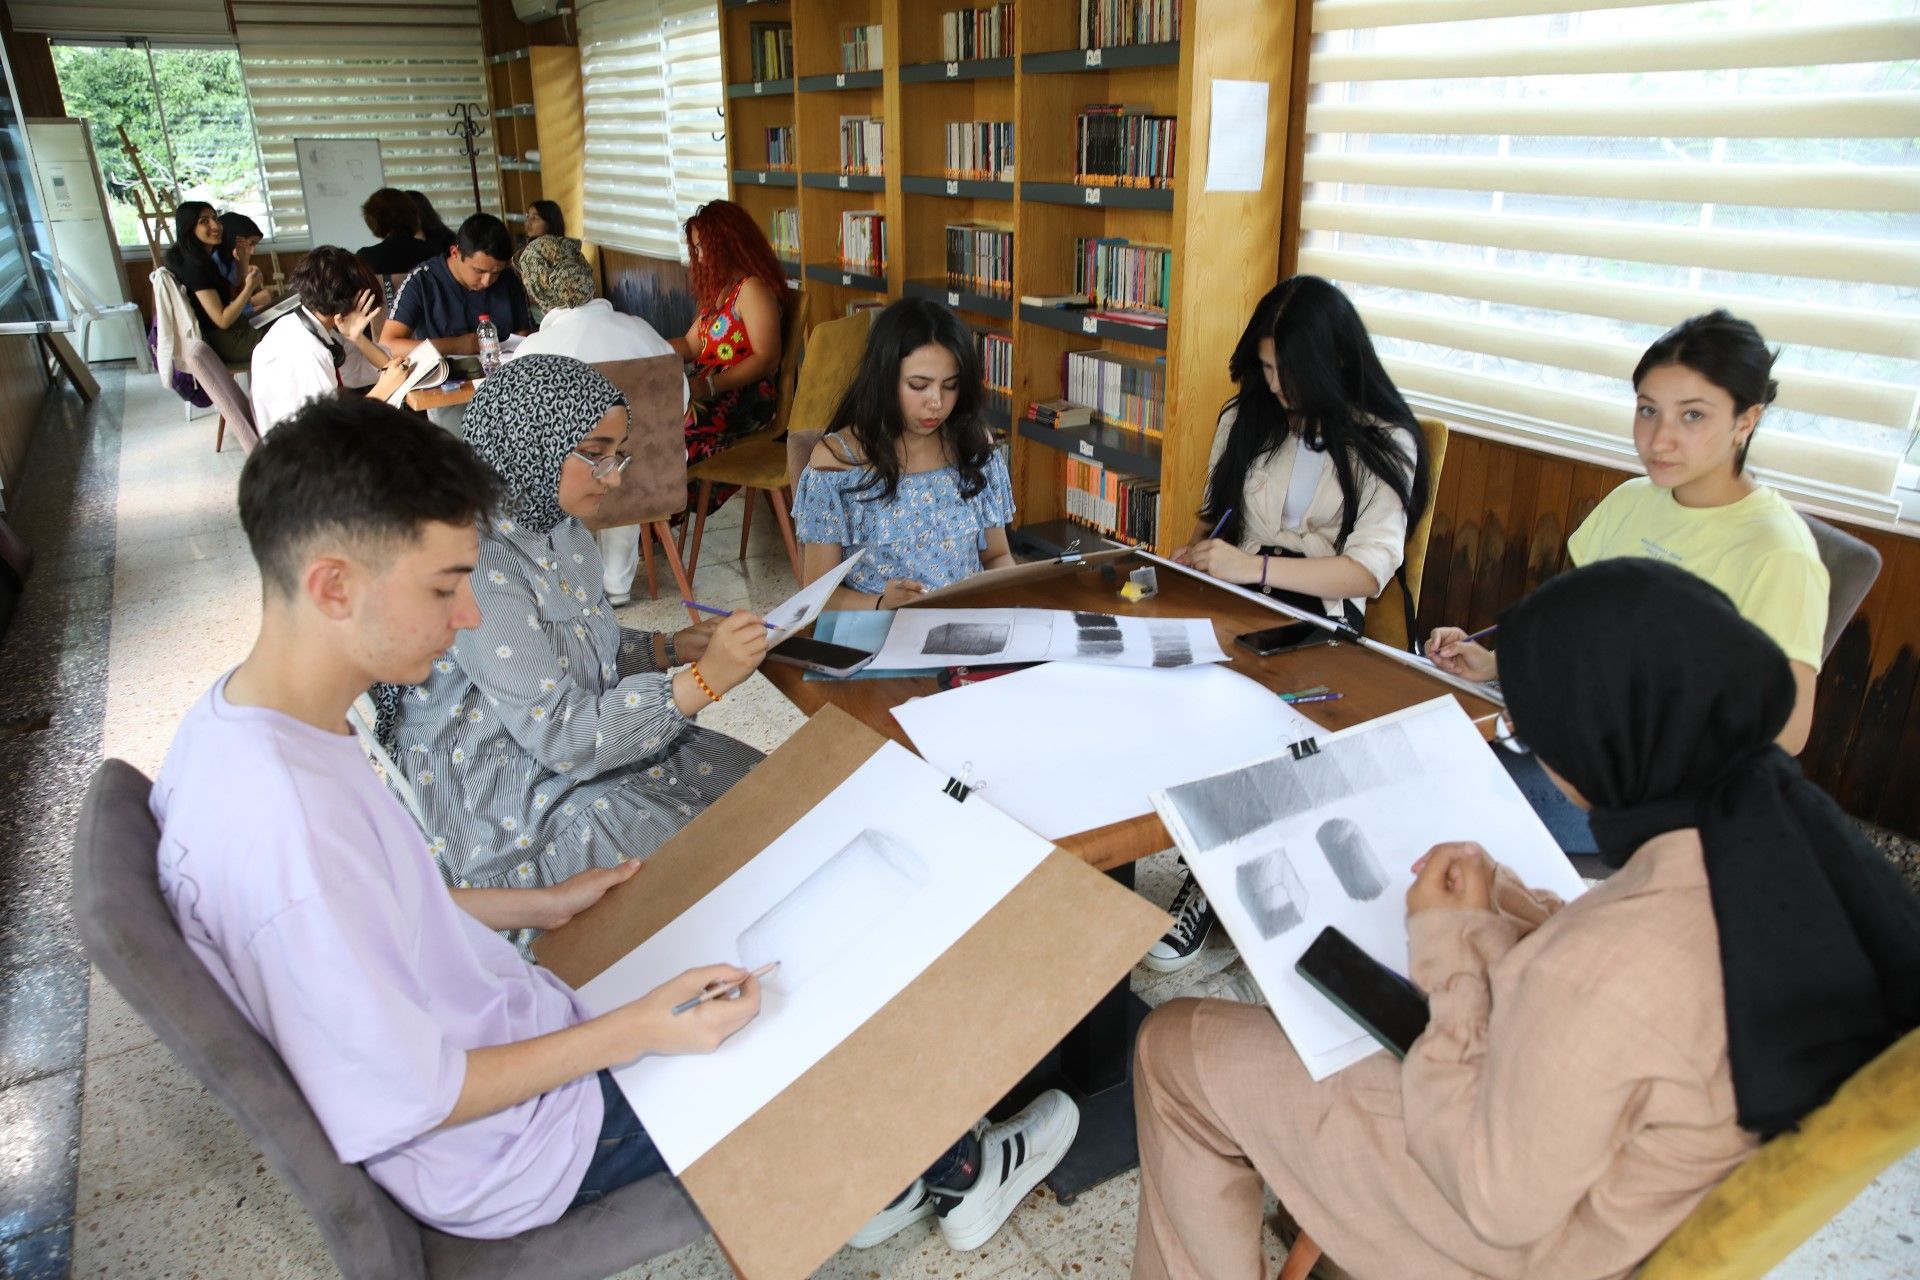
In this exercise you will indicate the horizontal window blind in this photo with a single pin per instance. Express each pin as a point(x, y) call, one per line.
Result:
point(367, 69)
point(1520, 195)
point(202, 21)
point(651, 81)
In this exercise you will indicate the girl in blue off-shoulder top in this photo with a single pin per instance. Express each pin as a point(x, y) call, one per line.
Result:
point(907, 471)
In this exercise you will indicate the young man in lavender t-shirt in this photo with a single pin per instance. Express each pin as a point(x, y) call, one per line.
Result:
point(471, 1085)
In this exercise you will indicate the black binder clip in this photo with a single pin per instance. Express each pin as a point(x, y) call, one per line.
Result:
point(1304, 748)
point(963, 786)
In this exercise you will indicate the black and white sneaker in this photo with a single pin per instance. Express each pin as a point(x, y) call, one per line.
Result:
point(1192, 924)
point(915, 1203)
point(1014, 1156)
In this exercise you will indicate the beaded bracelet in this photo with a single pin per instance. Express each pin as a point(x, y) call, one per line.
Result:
point(702, 682)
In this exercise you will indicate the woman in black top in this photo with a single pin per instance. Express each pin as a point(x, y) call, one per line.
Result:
point(432, 229)
point(392, 217)
point(216, 304)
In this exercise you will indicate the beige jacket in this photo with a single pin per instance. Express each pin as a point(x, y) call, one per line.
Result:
point(1379, 538)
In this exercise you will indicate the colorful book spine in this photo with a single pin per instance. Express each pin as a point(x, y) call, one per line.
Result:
point(862, 144)
point(863, 241)
point(980, 258)
point(772, 50)
point(1122, 391)
point(780, 153)
point(1106, 23)
point(980, 149)
point(996, 360)
point(1118, 275)
point(784, 233)
point(977, 33)
point(1122, 507)
point(1116, 147)
point(862, 47)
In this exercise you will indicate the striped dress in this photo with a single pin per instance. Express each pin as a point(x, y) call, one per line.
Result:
point(546, 742)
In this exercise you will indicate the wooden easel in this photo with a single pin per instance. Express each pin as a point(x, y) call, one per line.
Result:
point(152, 214)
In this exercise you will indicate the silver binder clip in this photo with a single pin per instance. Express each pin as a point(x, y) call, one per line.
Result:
point(1072, 554)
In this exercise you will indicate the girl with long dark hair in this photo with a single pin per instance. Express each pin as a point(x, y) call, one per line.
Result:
point(1318, 465)
point(433, 229)
point(218, 305)
point(907, 471)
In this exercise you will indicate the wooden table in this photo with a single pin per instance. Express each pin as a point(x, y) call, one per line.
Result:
point(425, 398)
point(1372, 684)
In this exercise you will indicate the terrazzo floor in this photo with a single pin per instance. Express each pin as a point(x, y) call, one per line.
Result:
point(166, 1184)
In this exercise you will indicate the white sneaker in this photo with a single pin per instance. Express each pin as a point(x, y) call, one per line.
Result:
point(910, 1208)
point(619, 599)
point(1014, 1157)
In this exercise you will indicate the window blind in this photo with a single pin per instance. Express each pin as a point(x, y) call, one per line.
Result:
point(1520, 195)
point(651, 81)
point(367, 69)
point(203, 21)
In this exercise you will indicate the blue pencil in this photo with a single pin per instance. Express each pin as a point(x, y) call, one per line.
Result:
point(1224, 517)
point(715, 610)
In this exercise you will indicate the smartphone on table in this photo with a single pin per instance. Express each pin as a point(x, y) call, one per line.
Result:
point(1272, 640)
point(1386, 1005)
point(819, 655)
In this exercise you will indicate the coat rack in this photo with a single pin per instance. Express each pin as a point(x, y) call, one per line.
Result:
point(467, 130)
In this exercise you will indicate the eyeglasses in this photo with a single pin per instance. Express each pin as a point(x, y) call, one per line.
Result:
point(604, 466)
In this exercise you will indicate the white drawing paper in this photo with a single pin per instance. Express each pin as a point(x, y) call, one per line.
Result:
point(925, 638)
point(1286, 847)
point(1237, 135)
point(854, 900)
point(1133, 731)
point(799, 610)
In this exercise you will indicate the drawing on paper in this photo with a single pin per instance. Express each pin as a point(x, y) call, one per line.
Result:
point(1271, 892)
point(1097, 635)
point(967, 639)
point(872, 876)
point(1352, 858)
point(1171, 647)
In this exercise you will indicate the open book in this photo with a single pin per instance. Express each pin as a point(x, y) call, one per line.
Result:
point(427, 367)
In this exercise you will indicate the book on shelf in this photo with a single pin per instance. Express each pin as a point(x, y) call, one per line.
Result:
point(780, 154)
point(862, 47)
point(996, 360)
point(1118, 275)
point(863, 241)
point(980, 149)
point(977, 33)
point(1140, 319)
point(863, 304)
point(1106, 23)
point(980, 258)
point(862, 144)
point(784, 232)
point(1114, 145)
point(1122, 390)
point(1059, 413)
point(772, 45)
point(1123, 507)
point(1057, 301)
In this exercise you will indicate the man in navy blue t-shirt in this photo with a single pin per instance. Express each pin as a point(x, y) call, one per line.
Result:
point(443, 299)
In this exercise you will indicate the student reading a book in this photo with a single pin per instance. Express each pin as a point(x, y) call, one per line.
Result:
point(1318, 468)
point(732, 349)
point(219, 306)
point(1591, 1070)
point(469, 1083)
point(322, 347)
point(239, 237)
point(907, 471)
point(443, 298)
point(575, 323)
point(1700, 392)
point(550, 739)
point(395, 223)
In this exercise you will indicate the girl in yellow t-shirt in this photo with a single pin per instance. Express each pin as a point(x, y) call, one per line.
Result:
point(1701, 391)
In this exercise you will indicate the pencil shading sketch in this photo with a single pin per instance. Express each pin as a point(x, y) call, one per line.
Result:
point(1171, 646)
point(1097, 635)
point(1352, 858)
point(851, 893)
point(1270, 890)
point(966, 639)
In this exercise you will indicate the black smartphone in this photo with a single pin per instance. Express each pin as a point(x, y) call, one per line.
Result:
point(1389, 1007)
point(818, 655)
point(1292, 635)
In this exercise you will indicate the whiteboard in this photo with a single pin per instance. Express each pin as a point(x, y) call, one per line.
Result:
point(336, 177)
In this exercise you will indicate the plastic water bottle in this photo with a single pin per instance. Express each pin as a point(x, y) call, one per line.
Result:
point(489, 347)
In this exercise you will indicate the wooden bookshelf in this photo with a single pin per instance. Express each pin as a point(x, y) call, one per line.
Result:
point(539, 131)
point(1042, 83)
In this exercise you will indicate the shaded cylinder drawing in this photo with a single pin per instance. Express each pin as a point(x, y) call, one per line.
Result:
point(842, 901)
point(1271, 892)
point(1351, 856)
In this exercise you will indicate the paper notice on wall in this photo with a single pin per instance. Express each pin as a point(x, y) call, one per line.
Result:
point(1237, 138)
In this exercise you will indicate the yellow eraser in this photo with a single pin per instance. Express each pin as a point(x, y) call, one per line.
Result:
point(1133, 593)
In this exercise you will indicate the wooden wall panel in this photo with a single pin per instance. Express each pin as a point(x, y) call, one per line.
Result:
point(1501, 519)
point(23, 388)
point(34, 79)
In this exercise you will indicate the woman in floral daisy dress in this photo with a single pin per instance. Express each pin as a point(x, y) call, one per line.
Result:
point(550, 739)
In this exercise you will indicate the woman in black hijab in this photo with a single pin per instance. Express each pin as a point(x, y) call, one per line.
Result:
point(1671, 725)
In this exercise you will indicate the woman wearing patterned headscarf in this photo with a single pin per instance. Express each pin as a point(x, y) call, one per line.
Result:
point(549, 739)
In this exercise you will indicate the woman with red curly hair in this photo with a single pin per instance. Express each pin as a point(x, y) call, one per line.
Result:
point(733, 348)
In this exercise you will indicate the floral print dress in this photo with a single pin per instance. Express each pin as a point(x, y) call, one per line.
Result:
point(546, 742)
point(714, 424)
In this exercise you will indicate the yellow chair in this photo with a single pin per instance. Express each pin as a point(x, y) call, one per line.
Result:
point(1387, 618)
point(833, 353)
point(1789, 1188)
point(745, 464)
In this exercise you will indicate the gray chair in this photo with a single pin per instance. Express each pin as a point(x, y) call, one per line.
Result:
point(1852, 566)
point(131, 935)
point(235, 409)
